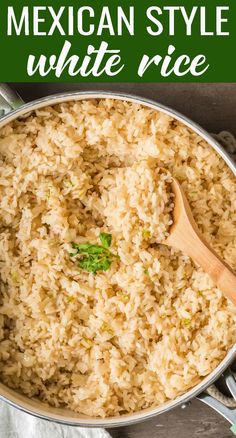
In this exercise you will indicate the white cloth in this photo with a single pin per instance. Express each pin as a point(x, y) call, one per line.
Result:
point(17, 424)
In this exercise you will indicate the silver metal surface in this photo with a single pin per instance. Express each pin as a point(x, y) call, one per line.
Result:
point(230, 382)
point(186, 405)
point(63, 416)
point(9, 99)
point(229, 414)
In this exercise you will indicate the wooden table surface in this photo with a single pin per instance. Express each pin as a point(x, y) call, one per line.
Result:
point(196, 421)
point(214, 107)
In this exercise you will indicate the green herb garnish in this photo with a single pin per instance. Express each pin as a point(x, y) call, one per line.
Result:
point(106, 328)
point(87, 248)
point(14, 277)
point(186, 322)
point(123, 297)
point(146, 234)
point(106, 240)
point(95, 263)
point(70, 298)
point(95, 257)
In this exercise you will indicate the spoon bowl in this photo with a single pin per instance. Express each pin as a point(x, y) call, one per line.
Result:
point(186, 237)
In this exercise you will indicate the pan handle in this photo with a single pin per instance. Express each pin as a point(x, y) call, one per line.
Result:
point(9, 99)
point(216, 401)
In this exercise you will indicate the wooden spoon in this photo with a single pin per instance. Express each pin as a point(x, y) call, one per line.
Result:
point(185, 236)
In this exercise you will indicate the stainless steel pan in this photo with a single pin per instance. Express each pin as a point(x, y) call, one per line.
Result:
point(12, 106)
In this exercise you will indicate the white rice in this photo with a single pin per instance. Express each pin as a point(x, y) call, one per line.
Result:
point(153, 325)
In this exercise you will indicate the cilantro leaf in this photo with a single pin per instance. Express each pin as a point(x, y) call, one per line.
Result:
point(94, 258)
point(87, 248)
point(105, 239)
point(94, 263)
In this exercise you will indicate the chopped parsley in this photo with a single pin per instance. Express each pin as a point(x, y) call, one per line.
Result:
point(70, 298)
point(186, 322)
point(106, 240)
point(95, 263)
point(94, 258)
point(15, 277)
point(146, 234)
point(106, 328)
point(122, 297)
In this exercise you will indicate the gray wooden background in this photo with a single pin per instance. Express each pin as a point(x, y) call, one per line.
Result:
point(213, 106)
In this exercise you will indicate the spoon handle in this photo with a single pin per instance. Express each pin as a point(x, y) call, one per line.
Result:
point(186, 236)
point(227, 284)
point(219, 271)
